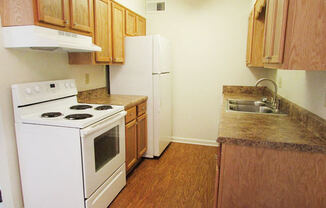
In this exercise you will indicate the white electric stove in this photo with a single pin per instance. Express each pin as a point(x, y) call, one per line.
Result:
point(71, 154)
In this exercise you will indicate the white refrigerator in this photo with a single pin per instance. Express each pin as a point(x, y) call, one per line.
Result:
point(147, 71)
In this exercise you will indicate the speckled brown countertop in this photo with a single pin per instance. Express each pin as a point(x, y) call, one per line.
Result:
point(271, 131)
point(100, 96)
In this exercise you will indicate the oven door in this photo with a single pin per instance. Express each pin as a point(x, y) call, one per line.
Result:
point(103, 150)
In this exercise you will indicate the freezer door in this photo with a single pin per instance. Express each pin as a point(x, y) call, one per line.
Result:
point(161, 55)
point(162, 112)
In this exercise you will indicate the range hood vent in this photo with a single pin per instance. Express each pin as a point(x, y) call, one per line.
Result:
point(41, 38)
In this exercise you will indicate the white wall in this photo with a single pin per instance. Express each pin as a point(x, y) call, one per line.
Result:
point(305, 88)
point(209, 50)
point(137, 6)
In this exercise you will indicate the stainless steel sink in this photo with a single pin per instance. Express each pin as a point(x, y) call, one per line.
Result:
point(251, 106)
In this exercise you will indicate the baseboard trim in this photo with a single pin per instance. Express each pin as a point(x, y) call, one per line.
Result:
point(205, 142)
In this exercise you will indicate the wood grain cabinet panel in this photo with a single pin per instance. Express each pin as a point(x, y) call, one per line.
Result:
point(102, 19)
point(136, 135)
point(255, 40)
point(250, 37)
point(131, 114)
point(118, 19)
point(141, 26)
point(305, 45)
point(141, 109)
point(275, 29)
point(51, 12)
point(130, 23)
point(142, 135)
point(263, 177)
point(81, 15)
point(131, 144)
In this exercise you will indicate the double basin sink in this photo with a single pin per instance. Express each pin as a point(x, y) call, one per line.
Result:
point(250, 106)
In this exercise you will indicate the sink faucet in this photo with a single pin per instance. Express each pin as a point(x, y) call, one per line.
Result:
point(275, 102)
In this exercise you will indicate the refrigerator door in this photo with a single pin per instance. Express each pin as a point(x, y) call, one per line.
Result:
point(135, 77)
point(162, 112)
point(162, 55)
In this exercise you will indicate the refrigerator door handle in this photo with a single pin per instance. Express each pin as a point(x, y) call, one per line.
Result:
point(160, 73)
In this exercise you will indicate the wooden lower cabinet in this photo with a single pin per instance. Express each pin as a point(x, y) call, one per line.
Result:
point(264, 177)
point(142, 135)
point(136, 135)
point(131, 144)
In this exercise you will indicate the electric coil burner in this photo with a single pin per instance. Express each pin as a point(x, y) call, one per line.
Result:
point(80, 107)
point(51, 115)
point(104, 107)
point(78, 116)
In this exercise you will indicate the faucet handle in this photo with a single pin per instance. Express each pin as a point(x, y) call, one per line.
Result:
point(264, 99)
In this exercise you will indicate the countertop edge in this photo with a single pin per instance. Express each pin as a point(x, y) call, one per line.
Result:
point(273, 145)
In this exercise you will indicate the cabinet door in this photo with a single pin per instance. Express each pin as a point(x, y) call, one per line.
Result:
point(51, 12)
point(141, 26)
point(250, 37)
point(81, 15)
point(118, 33)
point(142, 135)
point(275, 27)
point(131, 144)
point(130, 23)
point(279, 31)
point(102, 34)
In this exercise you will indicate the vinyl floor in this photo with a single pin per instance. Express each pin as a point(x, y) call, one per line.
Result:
point(184, 176)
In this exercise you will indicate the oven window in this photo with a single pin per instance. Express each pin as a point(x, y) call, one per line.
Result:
point(106, 147)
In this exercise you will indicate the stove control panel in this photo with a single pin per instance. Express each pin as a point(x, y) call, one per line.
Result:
point(29, 93)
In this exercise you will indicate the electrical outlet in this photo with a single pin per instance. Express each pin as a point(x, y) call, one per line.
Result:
point(325, 98)
point(86, 78)
point(279, 82)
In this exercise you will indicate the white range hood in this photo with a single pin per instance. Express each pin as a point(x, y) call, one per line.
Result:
point(41, 38)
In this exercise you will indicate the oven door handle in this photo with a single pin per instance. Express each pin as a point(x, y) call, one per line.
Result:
point(103, 124)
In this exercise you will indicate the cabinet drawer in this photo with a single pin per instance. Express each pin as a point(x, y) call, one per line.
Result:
point(141, 109)
point(131, 114)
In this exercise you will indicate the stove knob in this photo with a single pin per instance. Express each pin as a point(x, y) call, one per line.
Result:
point(37, 89)
point(66, 85)
point(28, 91)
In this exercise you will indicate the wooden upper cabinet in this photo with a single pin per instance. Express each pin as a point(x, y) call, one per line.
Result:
point(249, 38)
point(118, 20)
point(51, 12)
point(141, 26)
point(102, 16)
point(130, 23)
point(255, 39)
point(81, 15)
point(275, 29)
point(142, 135)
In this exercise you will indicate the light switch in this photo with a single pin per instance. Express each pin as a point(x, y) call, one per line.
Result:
point(86, 78)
